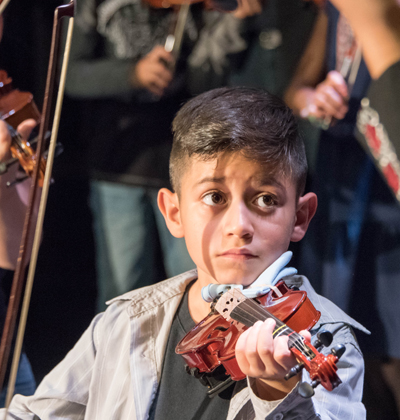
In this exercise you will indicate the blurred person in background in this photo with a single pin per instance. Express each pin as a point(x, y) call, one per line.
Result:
point(131, 86)
point(354, 242)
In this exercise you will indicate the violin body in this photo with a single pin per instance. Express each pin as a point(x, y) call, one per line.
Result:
point(212, 342)
point(15, 107)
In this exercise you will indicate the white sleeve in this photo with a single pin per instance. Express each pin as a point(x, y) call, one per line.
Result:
point(64, 392)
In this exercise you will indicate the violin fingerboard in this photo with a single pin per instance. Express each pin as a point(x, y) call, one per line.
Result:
point(234, 305)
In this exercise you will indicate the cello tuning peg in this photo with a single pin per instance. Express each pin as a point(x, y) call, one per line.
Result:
point(338, 350)
point(294, 371)
point(324, 338)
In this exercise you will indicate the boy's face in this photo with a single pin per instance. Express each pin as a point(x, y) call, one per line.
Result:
point(235, 218)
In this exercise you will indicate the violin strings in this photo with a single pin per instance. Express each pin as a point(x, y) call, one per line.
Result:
point(249, 312)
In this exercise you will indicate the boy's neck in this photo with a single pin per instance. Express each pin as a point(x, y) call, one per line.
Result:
point(198, 308)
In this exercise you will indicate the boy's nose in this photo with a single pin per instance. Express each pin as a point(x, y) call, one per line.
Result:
point(238, 221)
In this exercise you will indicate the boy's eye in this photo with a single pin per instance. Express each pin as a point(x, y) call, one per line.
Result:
point(265, 201)
point(213, 199)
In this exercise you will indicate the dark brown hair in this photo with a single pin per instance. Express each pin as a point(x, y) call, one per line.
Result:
point(237, 119)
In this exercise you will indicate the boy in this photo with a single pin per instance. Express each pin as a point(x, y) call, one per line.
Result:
point(238, 170)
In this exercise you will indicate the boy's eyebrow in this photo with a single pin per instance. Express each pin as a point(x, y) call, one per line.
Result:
point(263, 179)
point(267, 179)
point(211, 179)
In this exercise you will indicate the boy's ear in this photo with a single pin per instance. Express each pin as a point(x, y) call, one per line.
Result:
point(168, 203)
point(306, 208)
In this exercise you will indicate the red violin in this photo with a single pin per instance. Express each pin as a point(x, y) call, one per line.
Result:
point(212, 342)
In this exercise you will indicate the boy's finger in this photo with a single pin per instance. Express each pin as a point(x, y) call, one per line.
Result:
point(266, 342)
point(306, 334)
point(283, 356)
point(240, 350)
point(251, 352)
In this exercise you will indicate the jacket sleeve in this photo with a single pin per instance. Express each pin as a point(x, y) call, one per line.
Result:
point(344, 402)
point(64, 392)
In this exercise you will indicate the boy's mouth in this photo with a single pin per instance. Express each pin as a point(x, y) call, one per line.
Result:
point(238, 253)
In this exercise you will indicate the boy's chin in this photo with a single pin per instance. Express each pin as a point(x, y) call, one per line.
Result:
point(244, 278)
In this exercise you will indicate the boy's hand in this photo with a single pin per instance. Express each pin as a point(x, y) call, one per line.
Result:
point(261, 356)
point(329, 99)
point(152, 73)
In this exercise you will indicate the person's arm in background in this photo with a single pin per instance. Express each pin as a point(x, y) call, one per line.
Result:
point(309, 94)
point(13, 200)
point(376, 24)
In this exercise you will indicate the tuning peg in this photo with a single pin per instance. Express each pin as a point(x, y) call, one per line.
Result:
point(338, 350)
point(17, 181)
point(294, 371)
point(5, 165)
point(306, 390)
point(324, 338)
point(3, 168)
